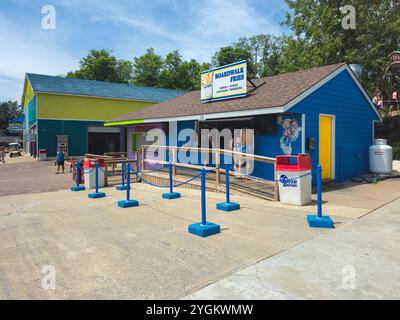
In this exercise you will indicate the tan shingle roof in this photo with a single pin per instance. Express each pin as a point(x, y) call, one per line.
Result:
point(276, 92)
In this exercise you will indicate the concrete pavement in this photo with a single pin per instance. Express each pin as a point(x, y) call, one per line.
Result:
point(360, 260)
point(22, 175)
point(100, 251)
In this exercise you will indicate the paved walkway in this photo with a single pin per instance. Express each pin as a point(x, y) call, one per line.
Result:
point(23, 175)
point(100, 251)
point(360, 260)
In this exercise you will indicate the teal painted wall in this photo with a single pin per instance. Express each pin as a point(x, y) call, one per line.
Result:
point(76, 130)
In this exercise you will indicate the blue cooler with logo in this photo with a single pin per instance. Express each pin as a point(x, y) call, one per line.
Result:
point(294, 179)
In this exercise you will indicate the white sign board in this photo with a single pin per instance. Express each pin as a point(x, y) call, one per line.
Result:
point(225, 82)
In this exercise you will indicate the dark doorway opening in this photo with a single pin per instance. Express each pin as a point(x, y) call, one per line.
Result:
point(102, 142)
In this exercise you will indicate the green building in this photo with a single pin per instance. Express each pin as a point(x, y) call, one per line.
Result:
point(70, 113)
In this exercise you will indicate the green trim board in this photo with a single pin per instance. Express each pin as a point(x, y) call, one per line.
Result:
point(122, 123)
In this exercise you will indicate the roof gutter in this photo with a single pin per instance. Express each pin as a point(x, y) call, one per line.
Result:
point(202, 117)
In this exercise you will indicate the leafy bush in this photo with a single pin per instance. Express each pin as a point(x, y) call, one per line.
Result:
point(390, 129)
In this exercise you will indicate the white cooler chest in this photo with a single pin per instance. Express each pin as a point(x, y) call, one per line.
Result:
point(294, 179)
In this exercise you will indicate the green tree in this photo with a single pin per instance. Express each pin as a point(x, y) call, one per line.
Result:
point(319, 38)
point(100, 65)
point(8, 110)
point(171, 75)
point(147, 69)
point(234, 53)
point(171, 72)
point(179, 74)
point(191, 71)
point(266, 52)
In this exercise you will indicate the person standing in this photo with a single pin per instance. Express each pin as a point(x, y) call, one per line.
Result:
point(395, 100)
point(60, 160)
point(375, 101)
point(2, 155)
point(380, 103)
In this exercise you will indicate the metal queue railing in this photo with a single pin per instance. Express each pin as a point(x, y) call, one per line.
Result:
point(112, 163)
point(218, 167)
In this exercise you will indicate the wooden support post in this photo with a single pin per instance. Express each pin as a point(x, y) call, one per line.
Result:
point(217, 167)
point(137, 169)
point(276, 184)
point(106, 174)
point(143, 155)
point(174, 157)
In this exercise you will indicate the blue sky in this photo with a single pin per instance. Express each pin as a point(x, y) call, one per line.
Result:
point(125, 27)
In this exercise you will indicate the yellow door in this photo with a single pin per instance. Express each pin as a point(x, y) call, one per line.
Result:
point(325, 146)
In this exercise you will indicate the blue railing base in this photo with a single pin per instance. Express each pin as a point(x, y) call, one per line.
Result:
point(171, 195)
point(228, 206)
point(121, 188)
point(96, 195)
point(206, 230)
point(78, 188)
point(128, 203)
point(320, 222)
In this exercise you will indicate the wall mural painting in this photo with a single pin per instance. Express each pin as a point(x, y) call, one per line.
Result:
point(291, 132)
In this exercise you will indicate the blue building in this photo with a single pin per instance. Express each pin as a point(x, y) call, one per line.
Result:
point(323, 111)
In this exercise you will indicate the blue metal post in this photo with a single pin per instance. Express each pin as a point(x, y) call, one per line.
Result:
point(319, 221)
point(123, 173)
point(170, 178)
point(128, 203)
point(228, 205)
point(97, 176)
point(78, 179)
point(122, 187)
point(228, 196)
point(128, 183)
point(204, 228)
point(97, 194)
point(319, 190)
point(171, 194)
point(203, 197)
point(78, 175)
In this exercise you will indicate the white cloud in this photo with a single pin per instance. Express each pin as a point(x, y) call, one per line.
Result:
point(196, 28)
point(214, 23)
point(28, 50)
point(229, 18)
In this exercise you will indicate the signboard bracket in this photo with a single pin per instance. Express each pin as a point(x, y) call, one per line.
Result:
point(254, 85)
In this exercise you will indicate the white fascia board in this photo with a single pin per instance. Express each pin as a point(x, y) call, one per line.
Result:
point(243, 113)
point(184, 118)
point(220, 115)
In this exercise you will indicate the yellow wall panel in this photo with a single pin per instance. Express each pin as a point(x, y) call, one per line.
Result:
point(28, 93)
point(52, 106)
